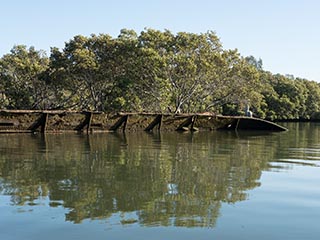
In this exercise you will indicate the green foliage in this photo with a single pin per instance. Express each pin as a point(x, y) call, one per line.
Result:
point(254, 62)
point(288, 98)
point(156, 71)
point(21, 83)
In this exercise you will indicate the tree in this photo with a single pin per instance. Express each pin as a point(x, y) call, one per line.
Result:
point(77, 68)
point(96, 71)
point(237, 81)
point(151, 84)
point(21, 77)
point(254, 62)
point(285, 98)
point(190, 69)
point(191, 72)
point(312, 97)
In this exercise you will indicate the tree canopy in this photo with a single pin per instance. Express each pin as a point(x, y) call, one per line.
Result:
point(156, 71)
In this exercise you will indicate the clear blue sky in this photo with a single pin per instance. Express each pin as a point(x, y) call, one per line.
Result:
point(285, 34)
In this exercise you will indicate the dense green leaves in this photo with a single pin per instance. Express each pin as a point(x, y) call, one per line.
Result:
point(287, 98)
point(20, 79)
point(154, 71)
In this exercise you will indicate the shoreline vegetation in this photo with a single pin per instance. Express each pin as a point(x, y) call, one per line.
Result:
point(154, 71)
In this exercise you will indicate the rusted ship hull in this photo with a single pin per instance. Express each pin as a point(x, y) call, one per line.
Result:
point(55, 121)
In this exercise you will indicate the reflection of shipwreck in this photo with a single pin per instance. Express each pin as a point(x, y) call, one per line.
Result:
point(43, 121)
point(150, 179)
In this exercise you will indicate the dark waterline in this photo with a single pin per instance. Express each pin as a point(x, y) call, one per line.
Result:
point(204, 185)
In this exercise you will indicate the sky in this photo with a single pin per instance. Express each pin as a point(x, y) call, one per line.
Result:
point(285, 34)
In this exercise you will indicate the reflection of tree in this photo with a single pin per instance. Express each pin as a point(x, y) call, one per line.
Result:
point(168, 178)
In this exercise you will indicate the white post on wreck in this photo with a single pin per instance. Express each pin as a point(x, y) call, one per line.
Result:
point(247, 111)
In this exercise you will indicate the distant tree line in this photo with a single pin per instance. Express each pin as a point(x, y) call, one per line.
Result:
point(156, 71)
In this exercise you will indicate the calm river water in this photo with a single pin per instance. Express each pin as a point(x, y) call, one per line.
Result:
point(204, 185)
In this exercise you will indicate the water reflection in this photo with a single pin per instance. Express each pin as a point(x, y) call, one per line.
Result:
point(177, 179)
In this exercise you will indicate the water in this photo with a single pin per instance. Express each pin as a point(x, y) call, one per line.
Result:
point(205, 185)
